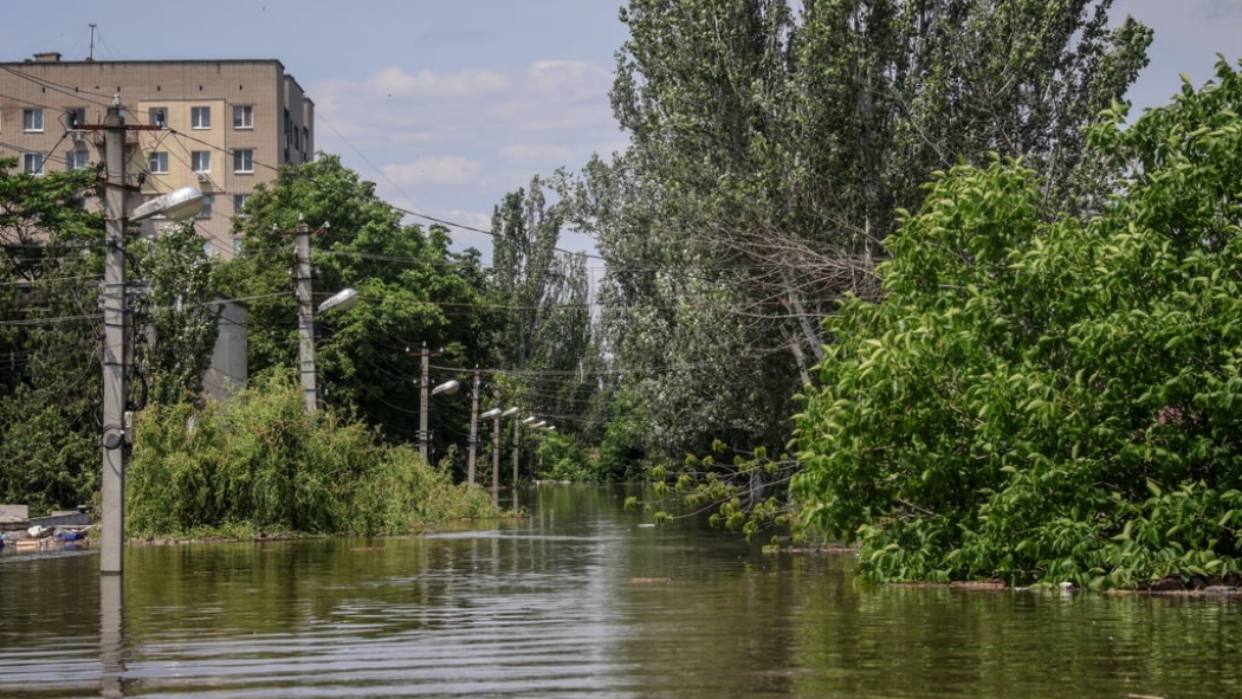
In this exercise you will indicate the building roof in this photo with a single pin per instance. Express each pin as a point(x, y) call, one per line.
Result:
point(58, 61)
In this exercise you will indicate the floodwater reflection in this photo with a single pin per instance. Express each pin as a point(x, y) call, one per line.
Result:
point(111, 636)
point(576, 600)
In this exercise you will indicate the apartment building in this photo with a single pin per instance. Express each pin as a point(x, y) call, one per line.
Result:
point(226, 125)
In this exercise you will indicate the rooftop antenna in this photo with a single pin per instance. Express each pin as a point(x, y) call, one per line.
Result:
point(91, 57)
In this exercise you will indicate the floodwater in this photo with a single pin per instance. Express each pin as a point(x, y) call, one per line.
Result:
point(579, 600)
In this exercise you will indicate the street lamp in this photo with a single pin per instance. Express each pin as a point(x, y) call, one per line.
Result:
point(342, 301)
point(448, 388)
point(177, 205)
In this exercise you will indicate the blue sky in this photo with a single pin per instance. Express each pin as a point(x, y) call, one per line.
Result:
point(449, 104)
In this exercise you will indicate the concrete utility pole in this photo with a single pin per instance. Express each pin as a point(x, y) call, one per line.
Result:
point(424, 399)
point(118, 347)
point(496, 454)
point(517, 451)
point(424, 403)
point(116, 342)
point(474, 430)
point(306, 319)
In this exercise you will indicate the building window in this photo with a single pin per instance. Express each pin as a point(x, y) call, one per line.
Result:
point(243, 160)
point(243, 116)
point(237, 247)
point(76, 159)
point(75, 118)
point(206, 212)
point(157, 116)
point(158, 163)
point(33, 163)
point(32, 120)
point(239, 204)
point(200, 117)
point(200, 161)
point(206, 248)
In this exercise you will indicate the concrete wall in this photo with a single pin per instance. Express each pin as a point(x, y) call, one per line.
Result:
point(229, 369)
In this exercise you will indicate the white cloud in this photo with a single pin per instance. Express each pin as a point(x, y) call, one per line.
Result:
point(425, 84)
point(474, 219)
point(451, 144)
point(569, 80)
point(537, 153)
point(440, 171)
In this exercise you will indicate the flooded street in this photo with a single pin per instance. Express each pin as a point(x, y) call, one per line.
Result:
point(576, 601)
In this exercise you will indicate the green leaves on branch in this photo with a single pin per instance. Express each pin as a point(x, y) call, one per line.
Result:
point(1040, 398)
point(50, 264)
point(771, 143)
point(415, 290)
point(262, 465)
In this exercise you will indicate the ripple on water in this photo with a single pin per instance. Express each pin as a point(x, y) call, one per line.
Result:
point(576, 601)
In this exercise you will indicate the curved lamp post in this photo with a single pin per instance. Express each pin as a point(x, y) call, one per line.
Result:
point(342, 301)
point(178, 205)
point(447, 388)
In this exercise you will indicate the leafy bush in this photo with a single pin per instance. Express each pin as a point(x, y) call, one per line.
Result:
point(260, 463)
point(1048, 399)
point(563, 457)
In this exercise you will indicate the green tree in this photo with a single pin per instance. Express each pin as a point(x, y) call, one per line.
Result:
point(50, 262)
point(415, 290)
point(545, 336)
point(772, 145)
point(176, 324)
point(1040, 397)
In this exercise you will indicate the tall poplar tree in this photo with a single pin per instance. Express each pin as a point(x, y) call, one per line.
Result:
point(773, 144)
point(545, 333)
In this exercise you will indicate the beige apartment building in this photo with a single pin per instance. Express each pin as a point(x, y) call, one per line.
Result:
point(226, 125)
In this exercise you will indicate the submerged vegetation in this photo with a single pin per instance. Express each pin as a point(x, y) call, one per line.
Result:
point(1029, 369)
point(261, 465)
point(1043, 398)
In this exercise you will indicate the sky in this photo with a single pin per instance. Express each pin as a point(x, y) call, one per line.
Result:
point(447, 105)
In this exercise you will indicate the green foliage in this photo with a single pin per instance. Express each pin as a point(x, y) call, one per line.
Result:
point(544, 333)
point(50, 260)
point(1040, 398)
point(177, 347)
point(414, 290)
point(771, 142)
point(263, 465)
point(562, 457)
